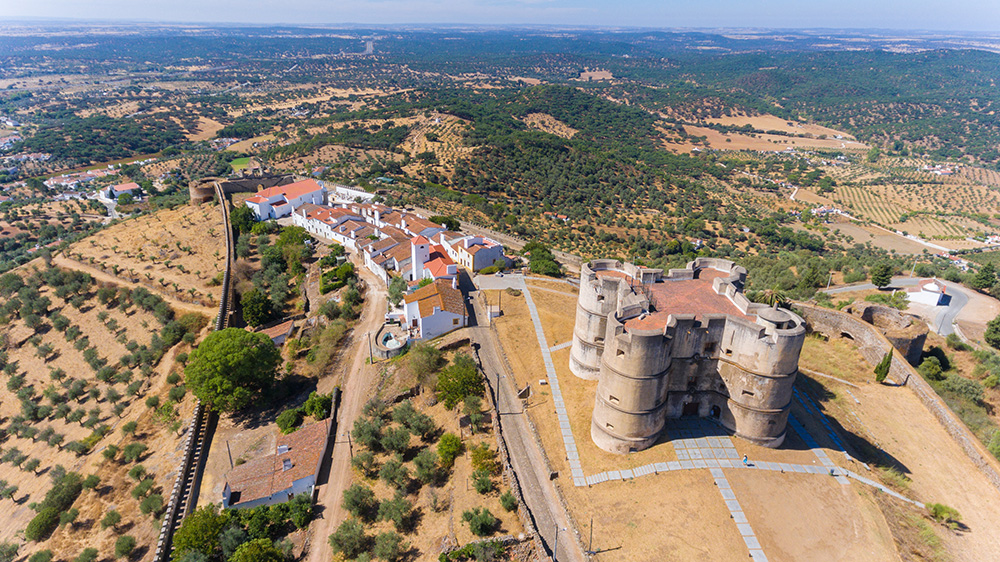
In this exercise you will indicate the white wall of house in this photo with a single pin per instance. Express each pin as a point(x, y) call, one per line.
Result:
point(439, 323)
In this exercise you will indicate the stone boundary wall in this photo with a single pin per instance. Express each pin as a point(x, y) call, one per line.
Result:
point(574, 530)
point(198, 425)
point(873, 346)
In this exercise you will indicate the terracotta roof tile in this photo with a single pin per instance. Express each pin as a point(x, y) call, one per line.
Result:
point(262, 477)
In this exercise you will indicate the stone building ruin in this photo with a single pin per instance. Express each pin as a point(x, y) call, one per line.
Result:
point(688, 343)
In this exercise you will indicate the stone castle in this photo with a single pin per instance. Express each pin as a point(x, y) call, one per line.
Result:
point(688, 343)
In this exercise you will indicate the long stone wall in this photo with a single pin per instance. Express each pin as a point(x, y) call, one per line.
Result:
point(873, 346)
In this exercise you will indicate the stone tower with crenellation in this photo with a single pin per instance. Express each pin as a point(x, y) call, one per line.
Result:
point(688, 343)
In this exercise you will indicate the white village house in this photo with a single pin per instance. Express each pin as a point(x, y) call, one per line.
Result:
point(280, 200)
point(434, 310)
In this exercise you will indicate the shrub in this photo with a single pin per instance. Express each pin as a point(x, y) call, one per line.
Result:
point(91, 482)
point(449, 448)
point(968, 389)
point(481, 522)
point(176, 393)
point(943, 514)
point(68, 517)
point(300, 510)
point(289, 419)
point(42, 525)
point(152, 401)
point(508, 501)
point(458, 380)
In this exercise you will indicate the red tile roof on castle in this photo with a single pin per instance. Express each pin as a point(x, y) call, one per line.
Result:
point(681, 296)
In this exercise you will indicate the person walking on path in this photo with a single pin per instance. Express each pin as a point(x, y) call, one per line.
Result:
point(746, 462)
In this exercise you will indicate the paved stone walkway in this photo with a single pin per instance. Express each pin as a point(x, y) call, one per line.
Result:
point(569, 442)
point(555, 348)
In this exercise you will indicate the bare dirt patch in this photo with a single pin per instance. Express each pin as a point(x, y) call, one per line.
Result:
point(206, 129)
point(549, 124)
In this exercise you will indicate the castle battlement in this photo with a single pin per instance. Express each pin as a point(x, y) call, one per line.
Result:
point(688, 343)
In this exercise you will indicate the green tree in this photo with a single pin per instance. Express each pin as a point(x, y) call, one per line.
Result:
point(242, 219)
point(882, 369)
point(124, 546)
point(256, 307)
point(349, 538)
point(199, 532)
point(992, 335)
point(41, 556)
point(232, 367)
point(359, 501)
point(985, 278)
point(458, 380)
point(397, 510)
point(449, 447)
point(8, 550)
point(87, 555)
point(481, 522)
point(111, 519)
point(881, 274)
point(126, 199)
point(389, 546)
point(258, 550)
point(397, 289)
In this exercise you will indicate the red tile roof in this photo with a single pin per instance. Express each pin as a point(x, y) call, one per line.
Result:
point(687, 296)
point(262, 477)
point(438, 294)
point(292, 190)
point(420, 240)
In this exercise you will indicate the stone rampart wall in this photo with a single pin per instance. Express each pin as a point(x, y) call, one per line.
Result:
point(873, 346)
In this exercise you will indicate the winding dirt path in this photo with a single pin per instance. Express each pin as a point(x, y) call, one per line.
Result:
point(356, 388)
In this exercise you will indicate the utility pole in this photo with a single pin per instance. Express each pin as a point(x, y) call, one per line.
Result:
point(228, 450)
point(590, 549)
point(371, 355)
point(830, 280)
point(914, 268)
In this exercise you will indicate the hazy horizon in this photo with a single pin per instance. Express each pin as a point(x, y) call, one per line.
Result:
point(975, 16)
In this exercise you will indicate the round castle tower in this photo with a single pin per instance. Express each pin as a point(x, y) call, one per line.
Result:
point(685, 344)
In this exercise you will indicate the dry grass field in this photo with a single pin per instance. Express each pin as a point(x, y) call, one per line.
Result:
point(178, 252)
point(767, 122)
point(763, 142)
point(894, 420)
point(796, 517)
point(549, 124)
point(53, 367)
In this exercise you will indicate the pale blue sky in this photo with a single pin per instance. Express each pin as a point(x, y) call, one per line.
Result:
point(971, 15)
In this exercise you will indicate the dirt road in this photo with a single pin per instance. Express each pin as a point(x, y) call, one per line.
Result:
point(526, 456)
point(356, 387)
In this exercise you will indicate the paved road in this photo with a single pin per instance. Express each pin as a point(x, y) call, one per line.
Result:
point(355, 392)
point(526, 456)
point(956, 299)
point(111, 206)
